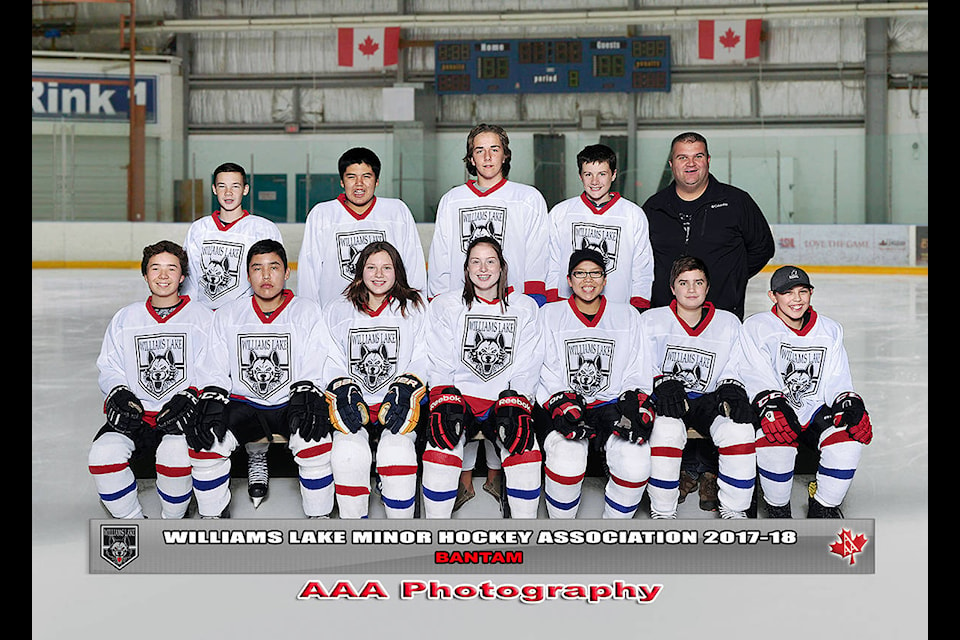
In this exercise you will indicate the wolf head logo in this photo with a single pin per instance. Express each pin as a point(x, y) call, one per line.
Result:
point(216, 275)
point(263, 373)
point(160, 373)
point(488, 353)
point(374, 365)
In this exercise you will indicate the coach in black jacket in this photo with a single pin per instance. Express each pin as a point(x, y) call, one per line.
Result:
point(700, 216)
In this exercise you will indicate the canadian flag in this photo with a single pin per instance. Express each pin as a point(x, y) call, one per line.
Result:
point(729, 40)
point(368, 48)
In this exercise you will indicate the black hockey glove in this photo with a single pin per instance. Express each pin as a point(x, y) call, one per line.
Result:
point(124, 411)
point(348, 412)
point(733, 403)
point(400, 409)
point(513, 420)
point(210, 426)
point(448, 416)
point(566, 410)
point(778, 420)
point(178, 413)
point(851, 414)
point(307, 412)
point(637, 416)
point(671, 397)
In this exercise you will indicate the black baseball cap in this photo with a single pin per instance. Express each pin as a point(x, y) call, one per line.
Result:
point(788, 277)
point(592, 255)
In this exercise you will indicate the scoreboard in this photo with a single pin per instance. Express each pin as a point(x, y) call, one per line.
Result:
point(576, 65)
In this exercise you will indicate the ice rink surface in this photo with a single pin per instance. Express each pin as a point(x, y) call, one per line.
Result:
point(885, 318)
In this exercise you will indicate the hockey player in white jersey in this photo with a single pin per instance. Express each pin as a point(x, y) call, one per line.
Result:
point(692, 349)
point(217, 246)
point(514, 214)
point(796, 370)
point(148, 366)
point(593, 390)
point(262, 374)
point(602, 220)
point(378, 329)
point(337, 230)
point(484, 367)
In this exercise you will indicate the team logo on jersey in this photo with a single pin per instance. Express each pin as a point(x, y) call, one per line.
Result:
point(161, 363)
point(488, 345)
point(604, 240)
point(220, 264)
point(264, 363)
point(373, 356)
point(349, 246)
point(589, 362)
point(692, 367)
point(800, 370)
point(119, 544)
point(482, 222)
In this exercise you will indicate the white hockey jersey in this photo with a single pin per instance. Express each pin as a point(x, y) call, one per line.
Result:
point(374, 347)
point(618, 231)
point(155, 357)
point(218, 256)
point(513, 213)
point(334, 236)
point(809, 366)
point(485, 349)
point(257, 357)
point(702, 357)
point(598, 357)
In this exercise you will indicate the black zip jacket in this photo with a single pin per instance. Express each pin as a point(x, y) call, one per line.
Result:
point(726, 230)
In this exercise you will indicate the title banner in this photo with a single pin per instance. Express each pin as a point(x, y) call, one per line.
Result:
point(483, 546)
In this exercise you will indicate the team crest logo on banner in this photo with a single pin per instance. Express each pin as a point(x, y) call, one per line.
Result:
point(488, 345)
point(220, 265)
point(161, 363)
point(480, 222)
point(119, 544)
point(603, 240)
point(588, 364)
point(373, 356)
point(264, 363)
point(800, 371)
point(349, 246)
point(692, 367)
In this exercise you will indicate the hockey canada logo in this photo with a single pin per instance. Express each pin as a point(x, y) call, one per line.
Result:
point(588, 365)
point(373, 356)
point(220, 268)
point(692, 367)
point(349, 246)
point(603, 240)
point(264, 363)
point(482, 222)
point(488, 345)
point(800, 370)
point(119, 544)
point(160, 362)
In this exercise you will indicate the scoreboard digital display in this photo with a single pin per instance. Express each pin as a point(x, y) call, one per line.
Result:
point(553, 66)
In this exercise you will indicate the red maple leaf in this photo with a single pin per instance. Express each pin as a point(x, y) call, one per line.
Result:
point(368, 47)
point(729, 39)
point(848, 545)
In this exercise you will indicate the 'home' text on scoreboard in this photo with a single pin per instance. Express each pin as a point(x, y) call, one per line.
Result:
point(553, 66)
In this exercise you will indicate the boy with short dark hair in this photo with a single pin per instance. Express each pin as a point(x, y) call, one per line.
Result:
point(148, 366)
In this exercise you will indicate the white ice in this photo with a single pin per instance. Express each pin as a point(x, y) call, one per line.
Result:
point(886, 335)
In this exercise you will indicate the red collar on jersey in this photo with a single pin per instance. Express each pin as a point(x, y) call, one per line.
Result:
point(584, 319)
point(177, 308)
point(614, 196)
point(810, 319)
point(706, 316)
point(373, 313)
point(287, 296)
point(225, 226)
point(472, 185)
point(342, 199)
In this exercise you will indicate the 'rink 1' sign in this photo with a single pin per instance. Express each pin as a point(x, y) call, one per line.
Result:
point(91, 97)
